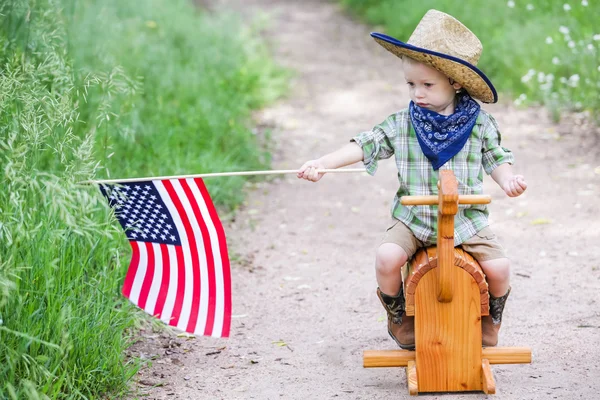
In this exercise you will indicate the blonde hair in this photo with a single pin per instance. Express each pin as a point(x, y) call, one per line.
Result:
point(412, 61)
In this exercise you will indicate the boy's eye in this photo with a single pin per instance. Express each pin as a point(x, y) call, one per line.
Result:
point(428, 84)
point(410, 84)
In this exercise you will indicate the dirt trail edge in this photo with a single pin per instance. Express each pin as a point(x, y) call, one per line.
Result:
point(304, 300)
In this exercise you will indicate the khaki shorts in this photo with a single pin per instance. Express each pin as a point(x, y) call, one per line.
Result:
point(483, 246)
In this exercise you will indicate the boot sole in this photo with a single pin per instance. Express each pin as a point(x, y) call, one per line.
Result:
point(402, 346)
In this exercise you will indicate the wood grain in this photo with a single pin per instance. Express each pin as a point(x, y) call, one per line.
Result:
point(507, 355)
point(487, 378)
point(447, 209)
point(448, 335)
point(387, 358)
point(426, 259)
point(433, 200)
point(400, 358)
point(411, 377)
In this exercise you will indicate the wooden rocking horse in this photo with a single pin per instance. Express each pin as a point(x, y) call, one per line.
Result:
point(447, 293)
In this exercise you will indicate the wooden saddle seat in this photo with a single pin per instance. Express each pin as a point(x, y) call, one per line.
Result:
point(426, 260)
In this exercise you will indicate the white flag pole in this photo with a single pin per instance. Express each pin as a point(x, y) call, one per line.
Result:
point(216, 174)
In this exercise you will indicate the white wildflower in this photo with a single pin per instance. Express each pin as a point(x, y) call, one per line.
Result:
point(596, 37)
point(546, 87)
point(584, 3)
point(590, 47)
point(510, 4)
point(527, 77)
point(599, 69)
point(574, 80)
point(541, 77)
point(571, 44)
point(549, 78)
point(519, 100)
point(563, 79)
point(555, 60)
point(563, 29)
point(530, 7)
point(567, 7)
point(549, 40)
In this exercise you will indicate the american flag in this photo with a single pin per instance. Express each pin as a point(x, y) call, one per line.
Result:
point(179, 270)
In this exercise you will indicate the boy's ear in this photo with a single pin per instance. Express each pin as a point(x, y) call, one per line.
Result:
point(455, 85)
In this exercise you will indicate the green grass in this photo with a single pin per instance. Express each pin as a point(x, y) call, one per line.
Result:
point(200, 78)
point(98, 88)
point(534, 51)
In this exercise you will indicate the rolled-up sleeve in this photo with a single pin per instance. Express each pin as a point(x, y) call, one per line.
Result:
point(493, 153)
point(376, 144)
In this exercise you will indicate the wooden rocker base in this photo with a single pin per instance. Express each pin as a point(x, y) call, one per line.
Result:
point(406, 358)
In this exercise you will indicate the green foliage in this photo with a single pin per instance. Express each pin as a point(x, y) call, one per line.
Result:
point(87, 87)
point(535, 51)
point(199, 77)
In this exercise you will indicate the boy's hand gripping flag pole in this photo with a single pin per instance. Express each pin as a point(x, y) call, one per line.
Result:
point(179, 270)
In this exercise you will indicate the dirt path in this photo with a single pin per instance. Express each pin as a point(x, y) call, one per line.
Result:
point(303, 282)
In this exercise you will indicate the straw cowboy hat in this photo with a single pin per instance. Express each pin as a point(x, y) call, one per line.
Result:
point(445, 44)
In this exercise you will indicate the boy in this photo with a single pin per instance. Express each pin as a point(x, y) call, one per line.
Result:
point(443, 127)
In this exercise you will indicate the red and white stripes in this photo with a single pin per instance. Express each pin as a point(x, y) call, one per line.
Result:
point(186, 286)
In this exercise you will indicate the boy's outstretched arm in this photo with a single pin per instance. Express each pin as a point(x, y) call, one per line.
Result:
point(513, 185)
point(349, 154)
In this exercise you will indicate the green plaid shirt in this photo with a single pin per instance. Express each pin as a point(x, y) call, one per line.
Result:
point(396, 137)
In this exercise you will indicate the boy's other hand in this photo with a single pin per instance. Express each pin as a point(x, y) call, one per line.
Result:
point(309, 172)
point(515, 185)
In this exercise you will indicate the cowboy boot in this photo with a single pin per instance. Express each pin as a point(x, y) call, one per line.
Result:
point(490, 324)
point(400, 326)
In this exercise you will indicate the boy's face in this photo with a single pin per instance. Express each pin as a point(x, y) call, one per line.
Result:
point(429, 88)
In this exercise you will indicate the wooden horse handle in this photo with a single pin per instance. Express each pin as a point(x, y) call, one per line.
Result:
point(447, 201)
point(433, 200)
